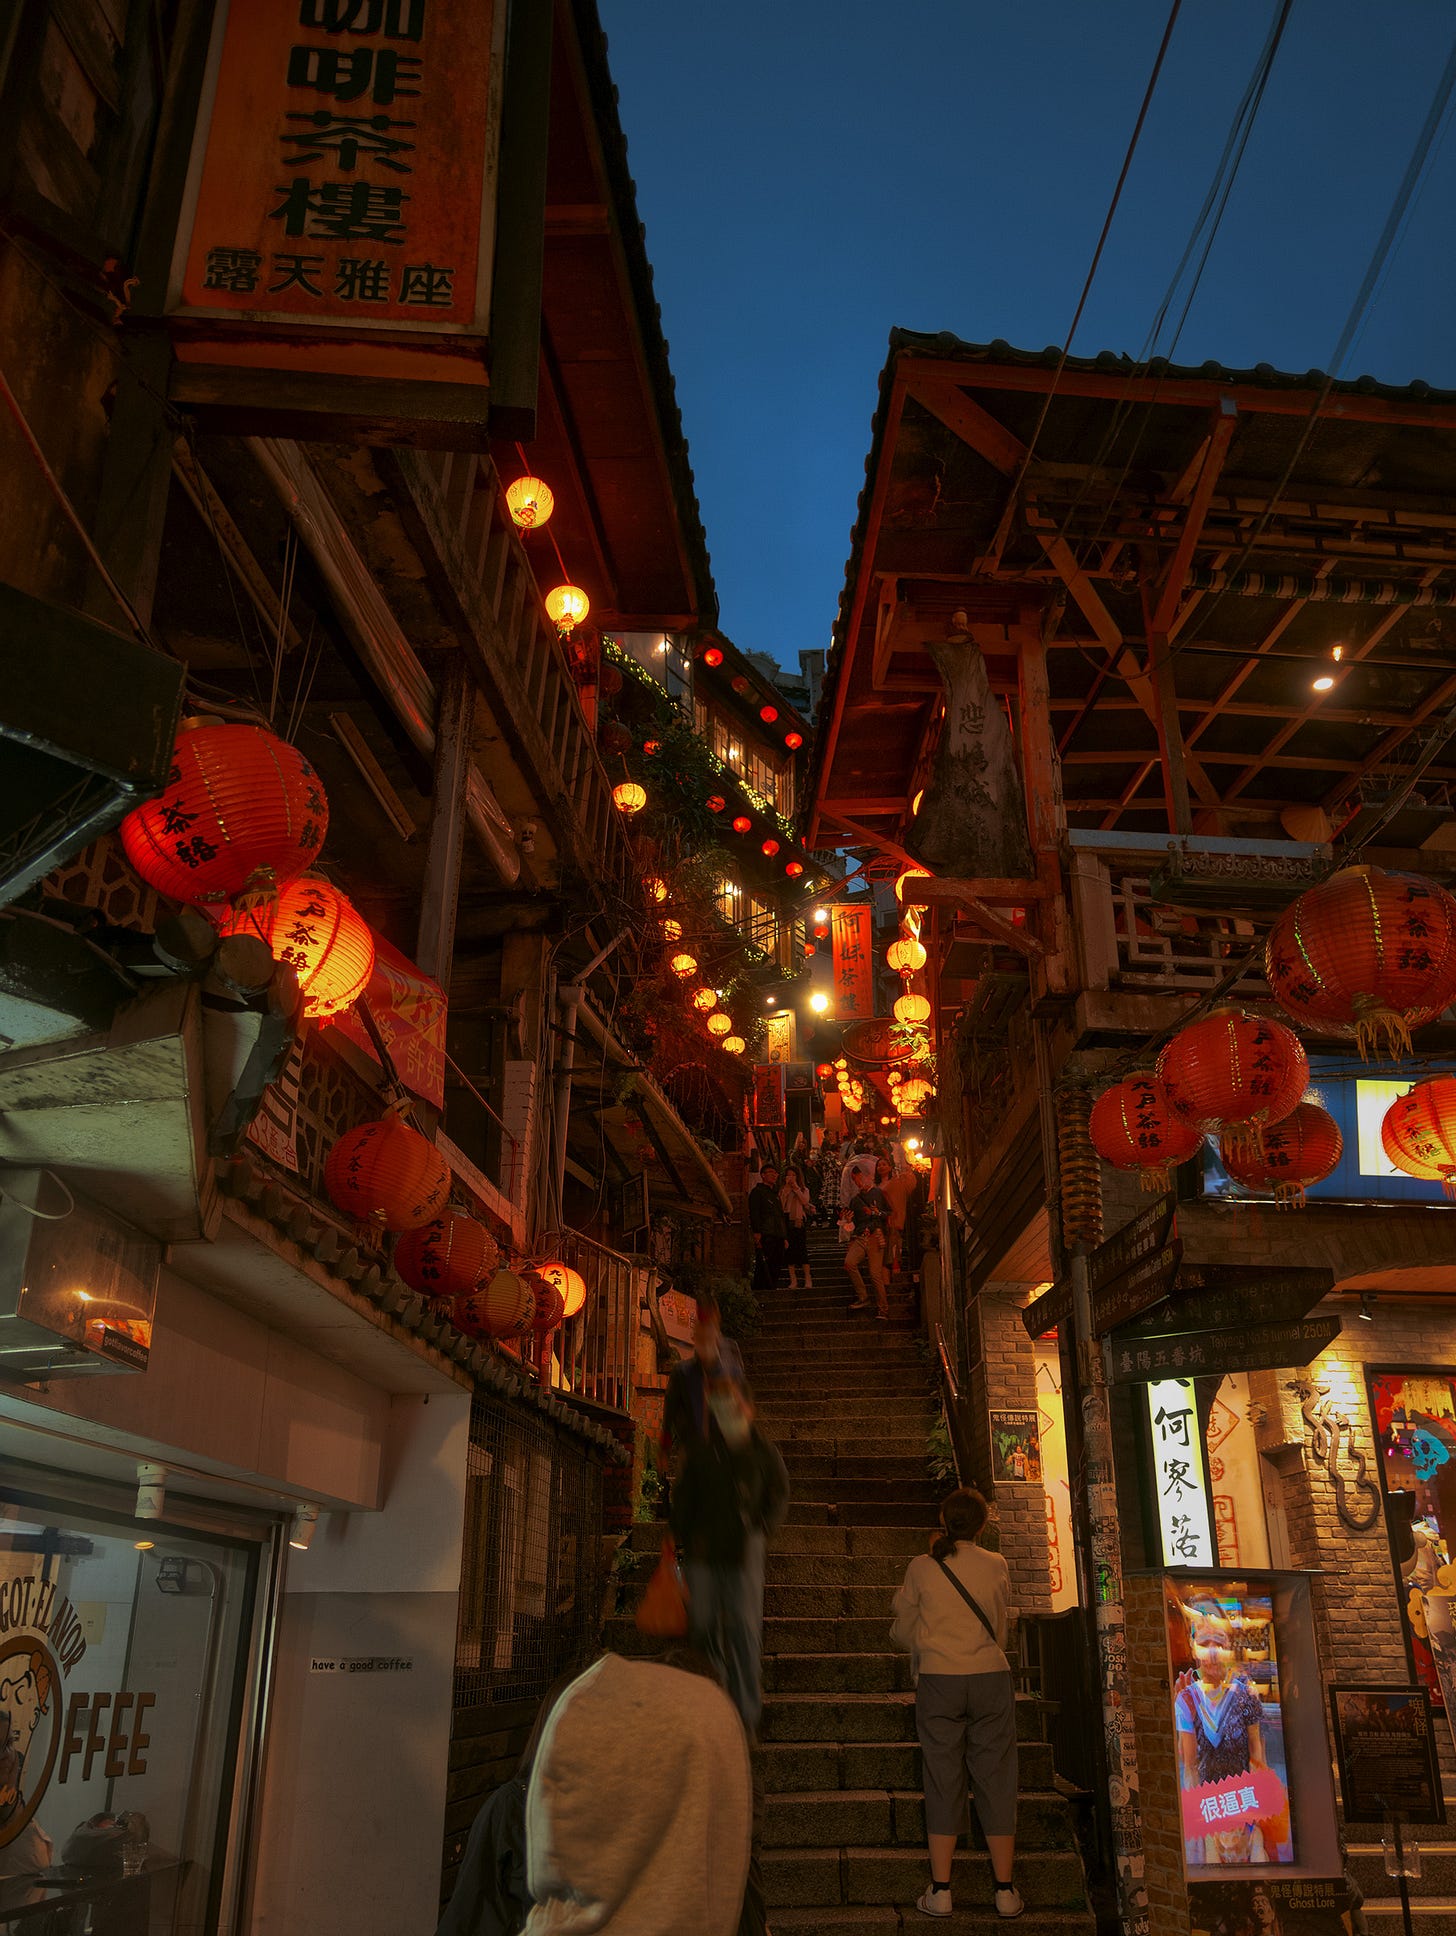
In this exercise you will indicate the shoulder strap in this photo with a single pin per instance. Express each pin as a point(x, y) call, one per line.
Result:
point(971, 1601)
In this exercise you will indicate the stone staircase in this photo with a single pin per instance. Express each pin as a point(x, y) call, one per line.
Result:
point(850, 1401)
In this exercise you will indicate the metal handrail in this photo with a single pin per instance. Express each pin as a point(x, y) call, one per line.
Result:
point(947, 1373)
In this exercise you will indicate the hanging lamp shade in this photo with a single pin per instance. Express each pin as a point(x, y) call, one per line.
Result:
point(567, 606)
point(628, 797)
point(912, 1009)
point(1134, 1127)
point(571, 1284)
point(910, 1095)
point(720, 1023)
point(734, 1044)
point(242, 810)
point(530, 502)
point(671, 930)
point(705, 1000)
point(908, 886)
point(1301, 1150)
point(655, 887)
point(683, 966)
point(448, 1257)
point(321, 934)
point(906, 956)
point(1419, 1132)
point(503, 1307)
point(1366, 953)
point(1233, 1072)
point(387, 1174)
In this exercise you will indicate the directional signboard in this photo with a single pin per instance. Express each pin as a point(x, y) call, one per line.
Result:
point(1218, 1297)
point(1148, 1282)
point(1046, 1312)
point(1148, 1232)
point(1204, 1354)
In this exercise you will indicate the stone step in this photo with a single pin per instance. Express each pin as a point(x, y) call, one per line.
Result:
point(855, 1542)
point(815, 1877)
point(871, 1382)
point(881, 1672)
point(857, 1572)
point(864, 1717)
point(1431, 1916)
point(827, 1634)
point(858, 1512)
point(895, 1818)
point(906, 1490)
point(813, 1415)
point(882, 1919)
point(790, 1767)
point(908, 1469)
point(905, 1445)
point(819, 1605)
point(765, 1357)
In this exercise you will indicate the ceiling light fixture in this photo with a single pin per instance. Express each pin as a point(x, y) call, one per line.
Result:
point(1324, 683)
point(1367, 1303)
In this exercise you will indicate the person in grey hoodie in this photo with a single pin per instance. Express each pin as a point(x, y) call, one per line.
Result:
point(640, 1807)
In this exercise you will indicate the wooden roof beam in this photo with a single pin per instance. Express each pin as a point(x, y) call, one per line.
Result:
point(976, 427)
point(1170, 586)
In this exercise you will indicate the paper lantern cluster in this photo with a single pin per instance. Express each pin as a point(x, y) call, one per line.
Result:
point(503, 1307)
point(387, 1175)
point(1233, 1073)
point(1302, 1149)
point(242, 811)
point(1367, 954)
point(450, 1257)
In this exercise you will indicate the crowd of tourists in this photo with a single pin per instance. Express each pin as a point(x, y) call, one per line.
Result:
point(864, 1186)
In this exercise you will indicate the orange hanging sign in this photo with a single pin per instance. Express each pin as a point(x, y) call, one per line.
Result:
point(852, 938)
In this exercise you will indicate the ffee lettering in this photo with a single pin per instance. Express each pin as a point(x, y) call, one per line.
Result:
point(88, 1734)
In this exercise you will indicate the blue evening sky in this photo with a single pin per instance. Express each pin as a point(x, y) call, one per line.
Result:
point(814, 172)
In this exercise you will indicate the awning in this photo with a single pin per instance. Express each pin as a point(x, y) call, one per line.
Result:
point(640, 1133)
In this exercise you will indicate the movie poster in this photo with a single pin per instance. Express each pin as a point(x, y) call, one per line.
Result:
point(1015, 1446)
point(1228, 1723)
point(1415, 1439)
point(1317, 1907)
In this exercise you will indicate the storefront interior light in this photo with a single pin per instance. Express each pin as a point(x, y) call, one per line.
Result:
point(300, 1533)
point(151, 1491)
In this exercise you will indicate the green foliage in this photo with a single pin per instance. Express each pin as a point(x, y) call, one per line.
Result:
point(651, 1497)
point(940, 1454)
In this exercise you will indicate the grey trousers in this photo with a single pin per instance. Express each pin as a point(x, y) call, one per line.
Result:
point(725, 1620)
point(967, 1727)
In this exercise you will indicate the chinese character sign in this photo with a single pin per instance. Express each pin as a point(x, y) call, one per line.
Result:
point(1178, 1474)
point(768, 1095)
point(781, 1036)
point(339, 174)
point(852, 940)
point(1228, 1724)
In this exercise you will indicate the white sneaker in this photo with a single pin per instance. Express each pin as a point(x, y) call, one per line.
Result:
point(935, 1902)
point(1008, 1901)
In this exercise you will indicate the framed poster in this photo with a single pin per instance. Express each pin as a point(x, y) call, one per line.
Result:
point(1016, 1446)
point(1413, 1411)
point(1248, 1727)
point(1316, 1906)
point(1386, 1752)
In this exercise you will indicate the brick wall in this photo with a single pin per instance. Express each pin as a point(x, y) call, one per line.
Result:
point(1005, 1380)
point(1148, 1697)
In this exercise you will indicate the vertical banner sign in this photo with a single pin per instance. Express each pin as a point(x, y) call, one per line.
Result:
point(781, 1036)
point(342, 183)
point(854, 967)
point(768, 1095)
point(1178, 1474)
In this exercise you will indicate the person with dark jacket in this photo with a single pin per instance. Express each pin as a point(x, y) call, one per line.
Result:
point(685, 1415)
point(733, 1493)
point(770, 1229)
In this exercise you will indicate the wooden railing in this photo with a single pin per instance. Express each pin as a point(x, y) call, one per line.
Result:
point(458, 498)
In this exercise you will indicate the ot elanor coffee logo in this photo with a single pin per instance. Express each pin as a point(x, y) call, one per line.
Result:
point(45, 1732)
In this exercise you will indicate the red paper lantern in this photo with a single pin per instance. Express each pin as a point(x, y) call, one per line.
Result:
point(768, 714)
point(1366, 953)
point(742, 824)
point(1419, 1132)
point(1301, 1150)
point(793, 741)
point(740, 684)
point(241, 809)
point(503, 1307)
point(793, 868)
point(712, 656)
point(716, 803)
point(1134, 1127)
point(651, 747)
point(320, 932)
point(770, 847)
point(1232, 1071)
point(448, 1257)
point(609, 679)
point(824, 1071)
point(550, 1302)
point(386, 1173)
point(570, 1283)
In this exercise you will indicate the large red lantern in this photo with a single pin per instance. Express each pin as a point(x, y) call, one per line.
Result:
point(1419, 1132)
point(503, 1307)
point(1301, 1150)
point(241, 809)
point(1134, 1127)
point(1234, 1072)
point(1366, 953)
point(448, 1257)
point(550, 1302)
point(312, 925)
point(386, 1173)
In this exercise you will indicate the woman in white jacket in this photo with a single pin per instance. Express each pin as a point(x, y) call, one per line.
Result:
point(952, 1614)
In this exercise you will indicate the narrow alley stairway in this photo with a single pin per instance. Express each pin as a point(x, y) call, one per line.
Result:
point(850, 1401)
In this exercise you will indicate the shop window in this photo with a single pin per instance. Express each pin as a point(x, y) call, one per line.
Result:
point(123, 1651)
point(1415, 1448)
point(661, 655)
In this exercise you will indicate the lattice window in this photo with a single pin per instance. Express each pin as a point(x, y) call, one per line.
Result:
point(100, 878)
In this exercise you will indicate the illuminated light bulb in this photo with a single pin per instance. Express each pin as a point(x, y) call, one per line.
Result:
point(819, 1001)
point(821, 914)
point(1324, 683)
point(530, 502)
point(567, 606)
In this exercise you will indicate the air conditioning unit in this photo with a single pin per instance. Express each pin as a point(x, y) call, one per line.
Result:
point(78, 1287)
